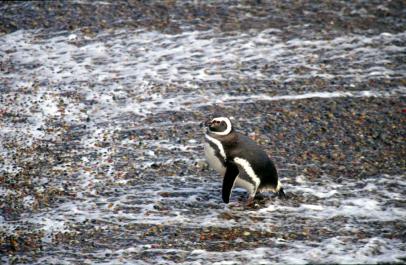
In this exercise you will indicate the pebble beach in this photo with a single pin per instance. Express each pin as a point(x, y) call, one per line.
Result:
point(101, 149)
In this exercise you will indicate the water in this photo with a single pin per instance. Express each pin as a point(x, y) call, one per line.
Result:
point(101, 151)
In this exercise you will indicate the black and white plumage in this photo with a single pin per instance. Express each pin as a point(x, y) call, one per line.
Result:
point(239, 160)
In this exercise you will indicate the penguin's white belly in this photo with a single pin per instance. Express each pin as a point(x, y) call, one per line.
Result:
point(213, 160)
point(241, 183)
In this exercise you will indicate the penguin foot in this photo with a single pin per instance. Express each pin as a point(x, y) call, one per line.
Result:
point(252, 203)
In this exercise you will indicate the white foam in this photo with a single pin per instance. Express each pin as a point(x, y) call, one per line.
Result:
point(125, 59)
point(332, 250)
point(134, 72)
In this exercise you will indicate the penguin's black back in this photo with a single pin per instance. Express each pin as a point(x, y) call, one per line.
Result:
point(239, 145)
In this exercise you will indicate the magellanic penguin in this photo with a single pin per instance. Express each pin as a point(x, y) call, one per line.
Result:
point(239, 160)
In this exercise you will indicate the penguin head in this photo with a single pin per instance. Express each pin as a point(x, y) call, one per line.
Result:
point(219, 125)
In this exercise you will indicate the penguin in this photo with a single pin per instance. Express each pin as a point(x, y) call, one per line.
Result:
point(239, 160)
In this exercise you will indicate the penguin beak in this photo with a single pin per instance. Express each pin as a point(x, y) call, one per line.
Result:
point(207, 123)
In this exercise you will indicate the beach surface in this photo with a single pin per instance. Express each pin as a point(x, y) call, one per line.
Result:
point(101, 152)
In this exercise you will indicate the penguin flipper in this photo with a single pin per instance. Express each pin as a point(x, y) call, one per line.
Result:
point(228, 181)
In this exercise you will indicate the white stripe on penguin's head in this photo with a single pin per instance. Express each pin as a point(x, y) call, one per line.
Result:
point(228, 123)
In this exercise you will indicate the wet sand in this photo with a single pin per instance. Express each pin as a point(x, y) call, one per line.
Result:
point(101, 151)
